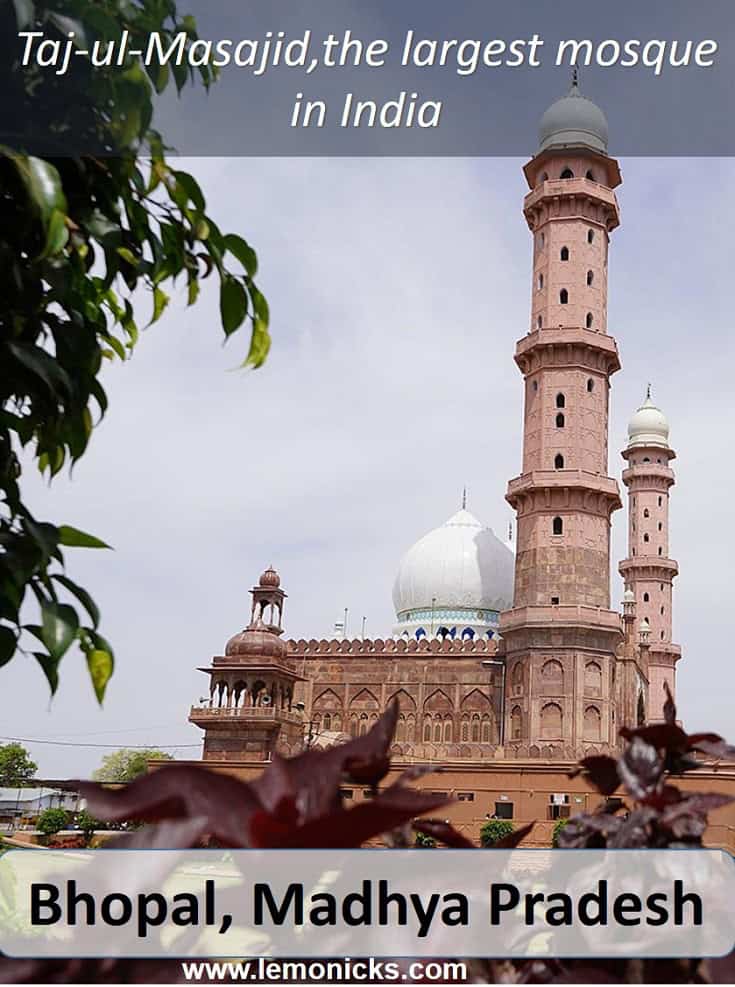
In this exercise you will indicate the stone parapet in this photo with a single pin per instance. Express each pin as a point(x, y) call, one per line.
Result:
point(379, 646)
point(567, 347)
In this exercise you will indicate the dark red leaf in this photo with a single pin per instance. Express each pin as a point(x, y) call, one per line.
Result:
point(669, 706)
point(640, 768)
point(662, 736)
point(634, 831)
point(713, 745)
point(601, 771)
point(178, 792)
point(444, 832)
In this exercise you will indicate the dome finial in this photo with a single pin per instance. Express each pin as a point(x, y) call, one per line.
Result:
point(575, 76)
point(648, 391)
point(464, 498)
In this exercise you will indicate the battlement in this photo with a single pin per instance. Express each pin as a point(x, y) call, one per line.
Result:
point(378, 646)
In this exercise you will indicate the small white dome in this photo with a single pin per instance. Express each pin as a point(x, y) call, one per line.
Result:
point(648, 426)
point(629, 596)
point(573, 121)
point(462, 564)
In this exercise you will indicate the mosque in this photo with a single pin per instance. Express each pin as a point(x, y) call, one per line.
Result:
point(507, 667)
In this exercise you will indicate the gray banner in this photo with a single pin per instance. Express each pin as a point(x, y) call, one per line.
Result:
point(309, 903)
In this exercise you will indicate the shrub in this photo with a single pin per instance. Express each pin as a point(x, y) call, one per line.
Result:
point(88, 824)
point(495, 830)
point(51, 821)
point(424, 842)
point(558, 827)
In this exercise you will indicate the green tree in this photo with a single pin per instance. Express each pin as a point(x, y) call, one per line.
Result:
point(16, 766)
point(81, 237)
point(558, 827)
point(494, 830)
point(88, 824)
point(50, 821)
point(127, 764)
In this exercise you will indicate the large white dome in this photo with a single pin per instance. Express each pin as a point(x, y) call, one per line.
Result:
point(459, 572)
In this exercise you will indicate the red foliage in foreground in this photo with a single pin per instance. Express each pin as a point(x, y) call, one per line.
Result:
point(297, 803)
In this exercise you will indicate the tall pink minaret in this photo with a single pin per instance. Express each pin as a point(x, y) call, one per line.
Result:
point(648, 571)
point(560, 637)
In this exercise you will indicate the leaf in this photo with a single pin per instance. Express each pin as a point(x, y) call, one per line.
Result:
point(8, 642)
point(669, 706)
point(260, 344)
point(81, 594)
point(78, 539)
point(57, 234)
point(40, 363)
point(601, 771)
point(100, 664)
point(50, 668)
point(233, 304)
point(59, 624)
point(160, 301)
point(242, 250)
point(662, 736)
point(24, 13)
point(513, 839)
point(640, 768)
point(191, 187)
point(42, 182)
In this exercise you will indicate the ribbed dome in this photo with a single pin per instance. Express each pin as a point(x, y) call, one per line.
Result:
point(573, 121)
point(648, 426)
point(460, 564)
point(256, 642)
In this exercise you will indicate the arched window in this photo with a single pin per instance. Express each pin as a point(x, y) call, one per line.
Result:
point(539, 322)
point(551, 722)
point(590, 236)
point(540, 281)
point(557, 526)
point(660, 501)
point(646, 597)
point(592, 679)
point(327, 721)
point(447, 731)
point(564, 254)
point(476, 729)
point(438, 731)
point(646, 537)
point(646, 512)
point(560, 401)
point(564, 296)
point(517, 678)
point(535, 386)
point(592, 723)
point(662, 611)
point(560, 420)
point(427, 728)
point(552, 678)
point(542, 238)
point(590, 278)
point(486, 729)
point(588, 320)
point(590, 385)
point(660, 550)
point(590, 175)
point(567, 173)
point(660, 526)
point(558, 461)
point(465, 730)
point(516, 723)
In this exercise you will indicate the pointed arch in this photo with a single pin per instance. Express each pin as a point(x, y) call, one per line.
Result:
point(364, 699)
point(592, 679)
point(592, 724)
point(406, 702)
point(438, 701)
point(327, 699)
point(516, 723)
point(552, 678)
point(475, 701)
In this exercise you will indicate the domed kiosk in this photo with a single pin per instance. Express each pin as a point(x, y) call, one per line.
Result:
point(453, 582)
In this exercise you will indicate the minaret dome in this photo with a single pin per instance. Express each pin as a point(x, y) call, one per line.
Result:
point(573, 121)
point(648, 426)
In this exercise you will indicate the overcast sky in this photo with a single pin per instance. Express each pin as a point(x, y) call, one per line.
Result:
point(398, 289)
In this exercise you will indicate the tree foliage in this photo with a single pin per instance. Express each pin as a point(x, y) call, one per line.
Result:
point(495, 830)
point(127, 764)
point(556, 832)
point(51, 821)
point(16, 766)
point(86, 243)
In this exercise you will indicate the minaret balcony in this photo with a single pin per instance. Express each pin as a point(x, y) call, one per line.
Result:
point(577, 485)
point(571, 346)
point(641, 476)
point(243, 716)
point(655, 567)
point(544, 196)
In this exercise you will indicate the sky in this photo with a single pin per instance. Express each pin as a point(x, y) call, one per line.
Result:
point(398, 288)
